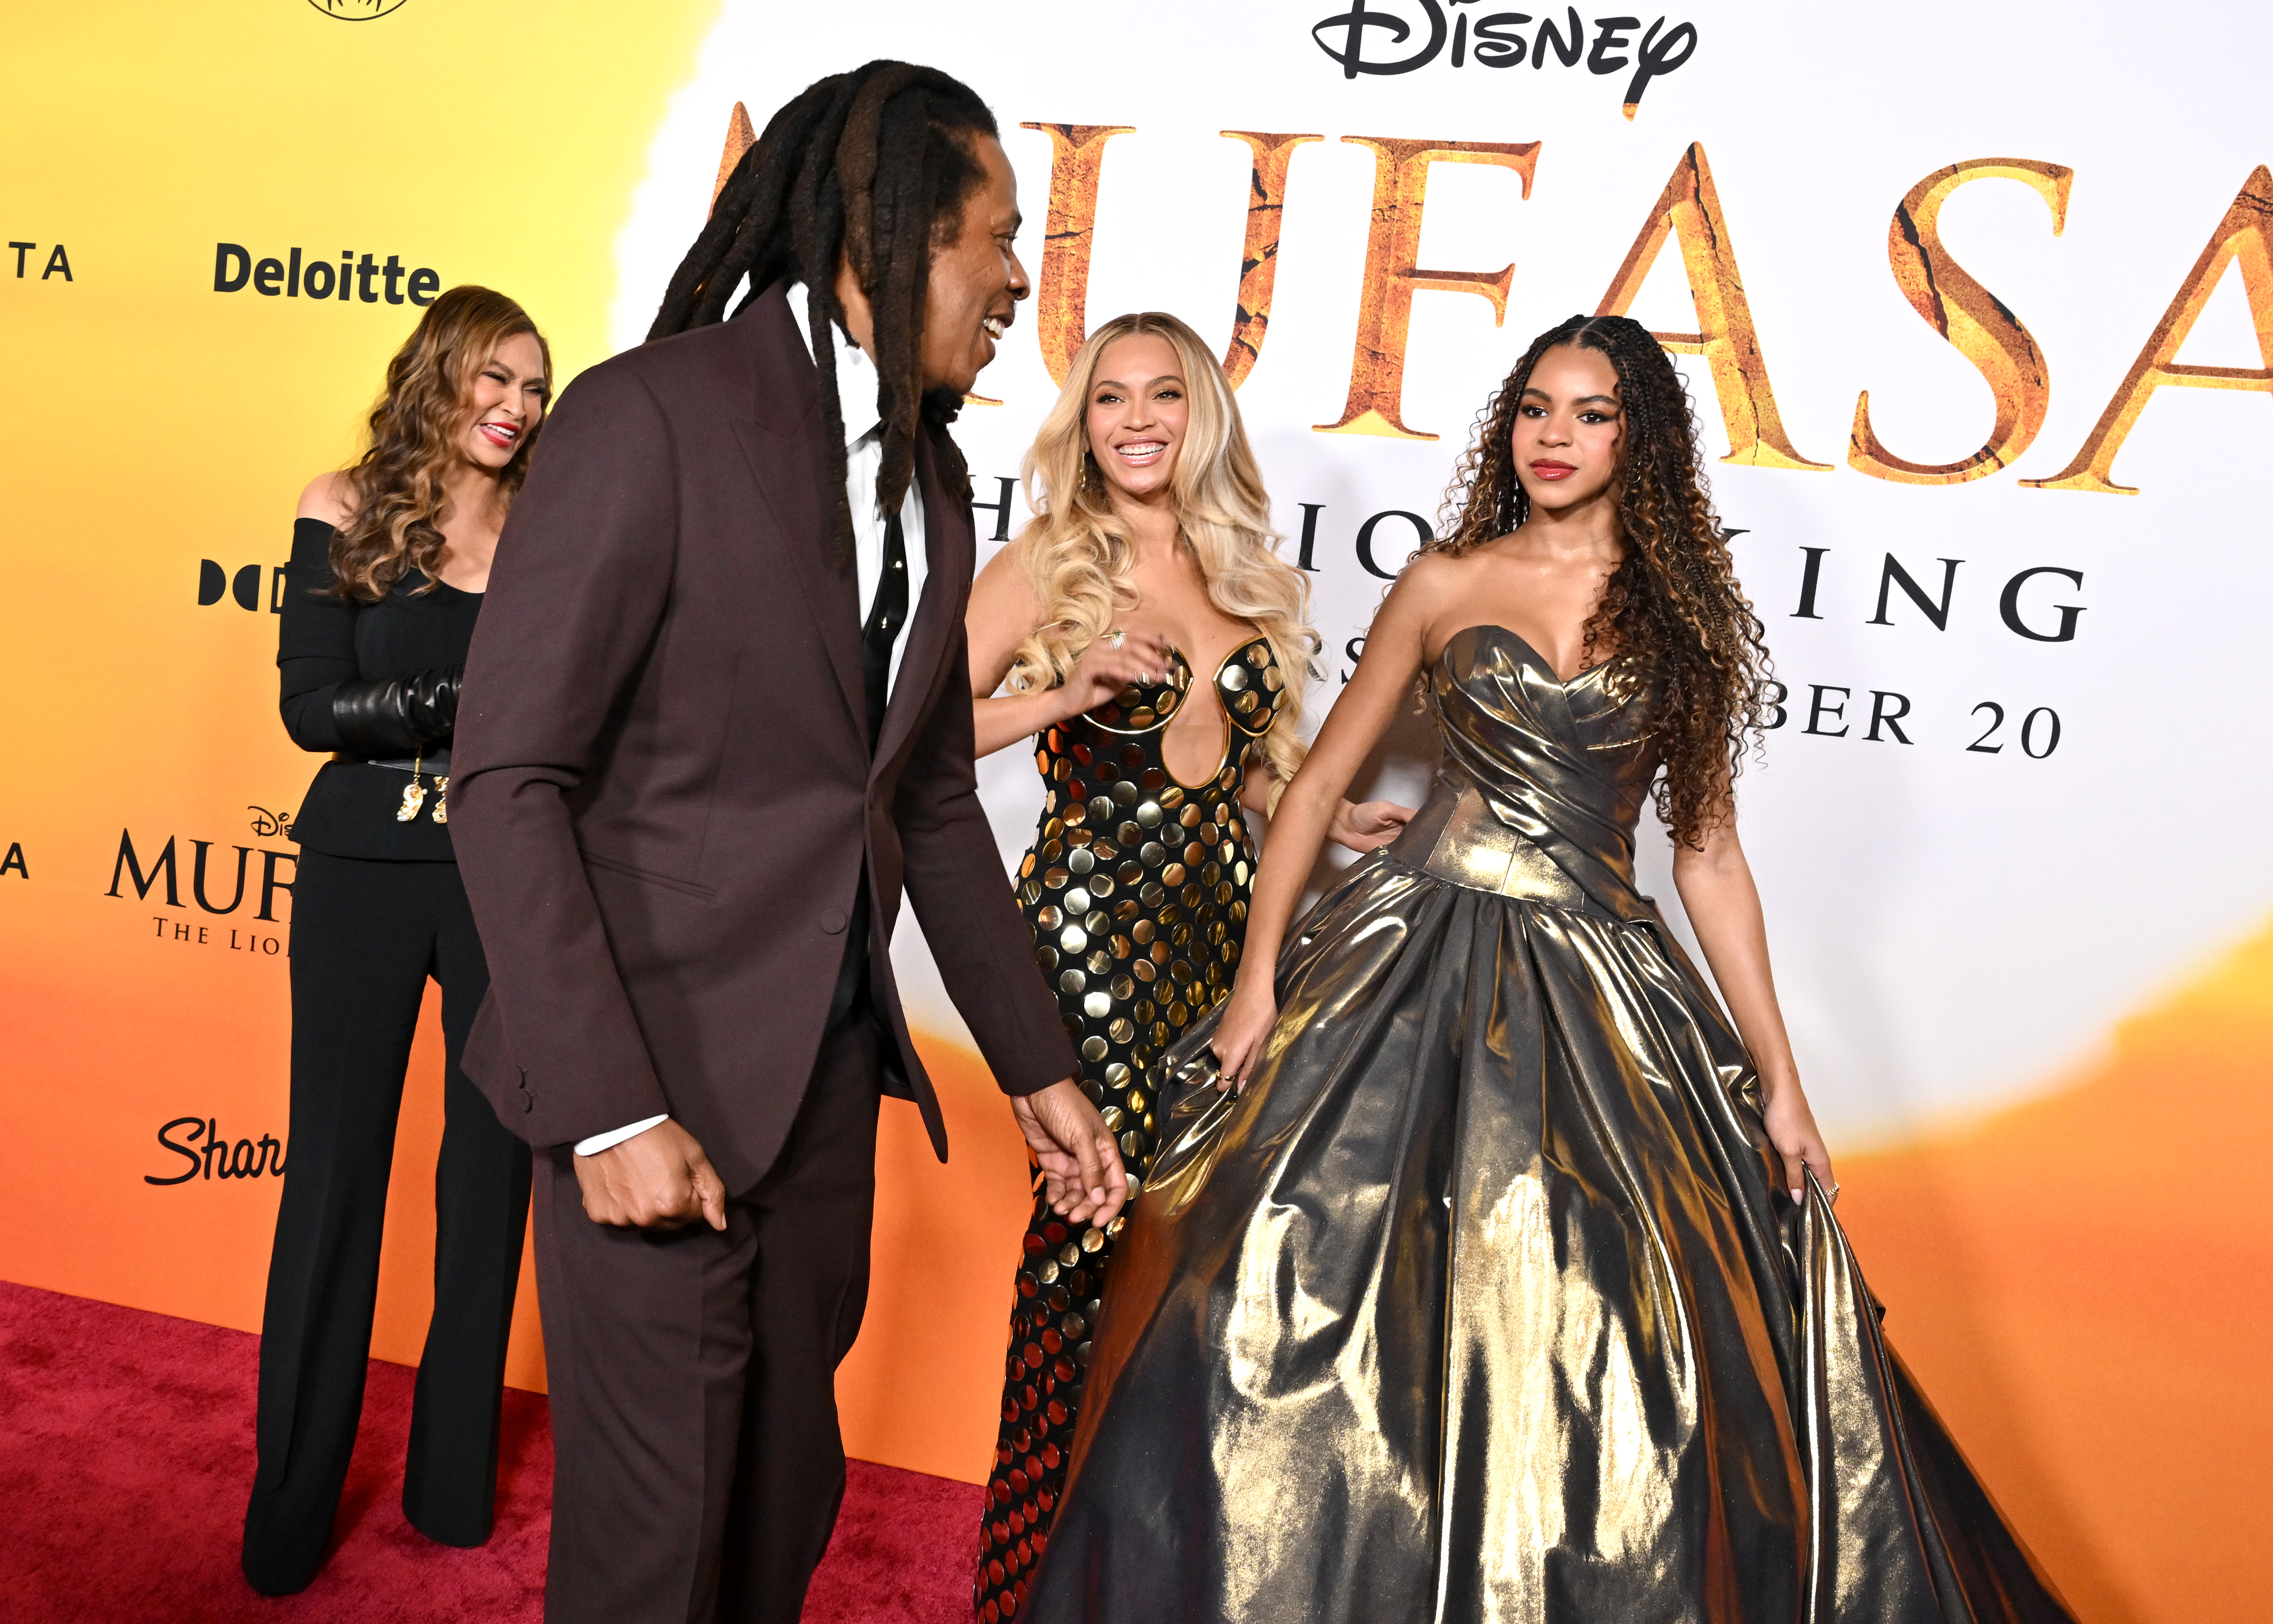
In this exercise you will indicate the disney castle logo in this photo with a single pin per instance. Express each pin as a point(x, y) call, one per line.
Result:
point(1376, 40)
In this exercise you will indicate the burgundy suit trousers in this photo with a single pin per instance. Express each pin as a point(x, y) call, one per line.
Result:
point(699, 1466)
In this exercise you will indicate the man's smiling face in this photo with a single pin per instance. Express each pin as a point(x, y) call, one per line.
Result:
point(976, 281)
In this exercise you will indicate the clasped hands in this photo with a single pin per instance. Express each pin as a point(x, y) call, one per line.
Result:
point(660, 1179)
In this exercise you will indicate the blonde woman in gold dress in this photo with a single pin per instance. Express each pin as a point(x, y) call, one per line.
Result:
point(1144, 634)
point(1502, 1283)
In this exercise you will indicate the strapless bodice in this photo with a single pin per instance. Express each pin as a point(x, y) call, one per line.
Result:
point(1247, 684)
point(1542, 781)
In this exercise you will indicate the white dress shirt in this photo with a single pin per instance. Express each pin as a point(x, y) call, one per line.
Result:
point(864, 461)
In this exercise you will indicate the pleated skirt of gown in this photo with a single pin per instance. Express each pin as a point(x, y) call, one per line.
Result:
point(1482, 1303)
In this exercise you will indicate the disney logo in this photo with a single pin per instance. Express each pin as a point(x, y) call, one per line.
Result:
point(1495, 41)
point(267, 822)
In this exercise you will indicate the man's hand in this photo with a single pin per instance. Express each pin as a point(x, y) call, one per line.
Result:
point(659, 1179)
point(1081, 1165)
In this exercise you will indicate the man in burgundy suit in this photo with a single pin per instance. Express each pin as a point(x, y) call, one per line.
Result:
point(716, 718)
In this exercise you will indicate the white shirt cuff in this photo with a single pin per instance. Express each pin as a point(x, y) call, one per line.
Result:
point(599, 1142)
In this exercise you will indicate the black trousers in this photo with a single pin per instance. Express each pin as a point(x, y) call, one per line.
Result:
point(698, 1466)
point(366, 936)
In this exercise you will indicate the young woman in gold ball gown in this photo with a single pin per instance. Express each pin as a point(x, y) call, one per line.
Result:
point(1487, 1270)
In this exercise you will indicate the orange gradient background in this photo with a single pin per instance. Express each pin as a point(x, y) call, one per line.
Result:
point(2080, 1282)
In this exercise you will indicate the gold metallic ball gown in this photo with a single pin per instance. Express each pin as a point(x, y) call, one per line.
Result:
point(1483, 1301)
point(1137, 888)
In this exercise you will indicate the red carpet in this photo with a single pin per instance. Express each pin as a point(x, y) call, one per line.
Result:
point(126, 1448)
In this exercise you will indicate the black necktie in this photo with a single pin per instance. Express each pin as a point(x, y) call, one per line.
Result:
point(885, 615)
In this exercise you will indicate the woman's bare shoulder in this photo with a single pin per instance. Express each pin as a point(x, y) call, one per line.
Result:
point(1430, 573)
point(1436, 593)
point(1004, 586)
point(1434, 583)
point(329, 497)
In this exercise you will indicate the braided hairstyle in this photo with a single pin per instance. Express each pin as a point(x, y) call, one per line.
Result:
point(1671, 613)
point(870, 169)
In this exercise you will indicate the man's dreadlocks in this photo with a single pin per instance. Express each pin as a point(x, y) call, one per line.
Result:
point(870, 168)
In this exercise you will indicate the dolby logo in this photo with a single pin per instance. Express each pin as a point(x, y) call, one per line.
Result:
point(244, 585)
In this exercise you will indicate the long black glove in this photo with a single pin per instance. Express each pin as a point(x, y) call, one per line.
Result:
point(397, 715)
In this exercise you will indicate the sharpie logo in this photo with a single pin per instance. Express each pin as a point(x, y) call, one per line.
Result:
point(217, 1157)
point(1383, 40)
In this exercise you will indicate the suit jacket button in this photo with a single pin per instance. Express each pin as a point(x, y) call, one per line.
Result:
point(834, 922)
point(528, 1102)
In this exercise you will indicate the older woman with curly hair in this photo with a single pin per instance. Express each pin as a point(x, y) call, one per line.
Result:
point(1143, 634)
point(1502, 1281)
point(389, 561)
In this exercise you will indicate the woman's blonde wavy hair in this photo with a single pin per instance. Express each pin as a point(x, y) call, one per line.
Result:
point(397, 484)
point(1077, 555)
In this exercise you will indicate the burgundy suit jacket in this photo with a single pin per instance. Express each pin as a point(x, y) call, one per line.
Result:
point(662, 798)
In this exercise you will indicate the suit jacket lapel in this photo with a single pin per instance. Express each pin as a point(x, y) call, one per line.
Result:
point(947, 558)
point(781, 437)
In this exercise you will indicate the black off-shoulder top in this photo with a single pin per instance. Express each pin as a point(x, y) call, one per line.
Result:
point(325, 640)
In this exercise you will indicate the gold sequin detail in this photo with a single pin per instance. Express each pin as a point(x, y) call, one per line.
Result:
point(1135, 889)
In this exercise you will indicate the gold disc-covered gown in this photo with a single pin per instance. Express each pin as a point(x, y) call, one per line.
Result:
point(1483, 1301)
point(1136, 888)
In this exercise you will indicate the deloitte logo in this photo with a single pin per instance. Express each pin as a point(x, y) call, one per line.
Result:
point(235, 267)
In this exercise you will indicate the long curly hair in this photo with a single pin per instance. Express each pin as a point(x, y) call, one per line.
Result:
point(1078, 555)
point(397, 483)
point(1672, 615)
point(872, 168)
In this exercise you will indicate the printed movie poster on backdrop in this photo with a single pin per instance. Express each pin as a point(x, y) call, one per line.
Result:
point(1957, 596)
